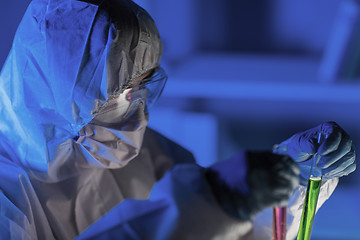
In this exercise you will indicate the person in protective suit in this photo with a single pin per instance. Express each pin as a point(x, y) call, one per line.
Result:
point(76, 157)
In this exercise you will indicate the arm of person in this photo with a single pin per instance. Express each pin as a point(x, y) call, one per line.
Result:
point(181, 206)
point(191, 202)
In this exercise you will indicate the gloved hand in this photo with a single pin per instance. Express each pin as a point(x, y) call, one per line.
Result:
point(337, 153)
point(252, 181)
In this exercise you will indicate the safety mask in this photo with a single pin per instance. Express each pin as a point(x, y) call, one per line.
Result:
point(139, 95)
point(115, 134)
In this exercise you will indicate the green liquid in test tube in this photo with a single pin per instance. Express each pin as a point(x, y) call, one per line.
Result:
point(311, 198)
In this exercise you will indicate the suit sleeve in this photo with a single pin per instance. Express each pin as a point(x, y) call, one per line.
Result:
point(181, 206)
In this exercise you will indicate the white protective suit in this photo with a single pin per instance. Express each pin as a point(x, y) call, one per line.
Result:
point(61, 169)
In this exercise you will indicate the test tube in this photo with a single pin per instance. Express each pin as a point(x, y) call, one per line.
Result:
point(279, 223)
point(279, 220)
point(312, 194)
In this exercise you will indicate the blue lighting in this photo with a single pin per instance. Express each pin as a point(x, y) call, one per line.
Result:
point(241, 81)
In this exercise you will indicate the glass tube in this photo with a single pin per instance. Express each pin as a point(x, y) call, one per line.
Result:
point(279, 223)
point(312, 194)
point(308, 214)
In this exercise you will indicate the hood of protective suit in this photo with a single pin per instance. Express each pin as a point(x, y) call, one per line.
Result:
point(64, 81)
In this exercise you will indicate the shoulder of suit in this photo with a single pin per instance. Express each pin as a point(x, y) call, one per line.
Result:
point(177, 152)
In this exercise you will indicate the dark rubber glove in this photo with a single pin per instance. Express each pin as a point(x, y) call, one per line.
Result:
point(252, 181)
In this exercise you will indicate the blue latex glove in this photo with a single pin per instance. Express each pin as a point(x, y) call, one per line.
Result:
point(249, 182)
point(337, 153)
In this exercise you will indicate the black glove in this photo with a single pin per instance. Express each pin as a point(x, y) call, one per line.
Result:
point(252, 181)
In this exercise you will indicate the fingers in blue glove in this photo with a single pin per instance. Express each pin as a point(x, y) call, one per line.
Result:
point(337, 157)
point(343, 165)
point(334, 148)
point(345, 172)
point(336, 138)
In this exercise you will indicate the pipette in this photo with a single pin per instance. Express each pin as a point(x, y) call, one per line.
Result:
point(312, 194)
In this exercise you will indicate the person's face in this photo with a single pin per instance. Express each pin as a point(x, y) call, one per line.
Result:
point(138, 98)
